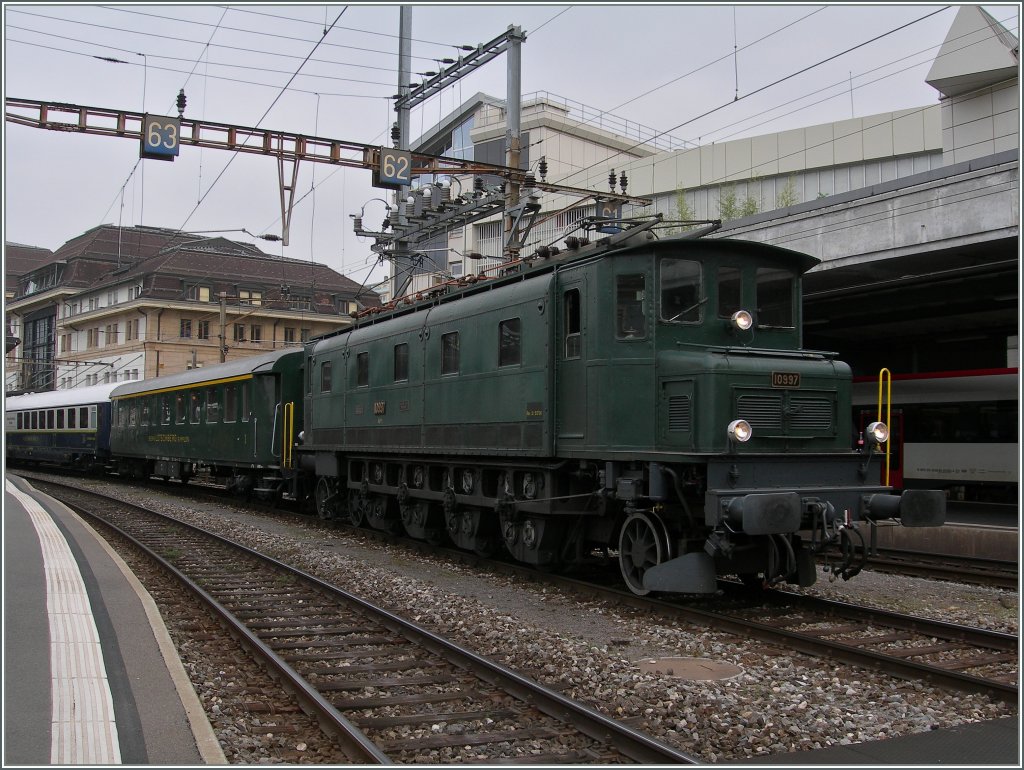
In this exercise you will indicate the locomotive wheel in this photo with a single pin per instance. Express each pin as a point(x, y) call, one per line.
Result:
point(641, 546)
point(356, 512)
point(326, 505)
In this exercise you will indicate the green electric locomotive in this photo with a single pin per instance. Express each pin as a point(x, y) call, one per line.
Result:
point(238, 422)
point(641, 398)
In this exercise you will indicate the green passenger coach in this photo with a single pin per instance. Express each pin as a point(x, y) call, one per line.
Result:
point(236, 421)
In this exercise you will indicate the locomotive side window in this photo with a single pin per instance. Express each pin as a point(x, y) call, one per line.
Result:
point(775, 290)
point(630, 312)
point(402, 362)
point(681, 300)
point(450, 353)
point(510, 351)
point(362, 370)
point(230, 402)
point(730, 296)
point(325, 377)
point(573, 343)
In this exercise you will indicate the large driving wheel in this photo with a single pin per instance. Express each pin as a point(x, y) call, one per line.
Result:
point(642, 545)
point(326, 497)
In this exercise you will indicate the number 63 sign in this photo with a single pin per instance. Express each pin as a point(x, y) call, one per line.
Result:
point(160, 137)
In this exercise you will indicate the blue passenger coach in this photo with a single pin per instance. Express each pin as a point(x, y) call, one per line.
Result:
point(67, 427)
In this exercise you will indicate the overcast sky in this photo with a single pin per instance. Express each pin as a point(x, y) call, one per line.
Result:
point(658, 65)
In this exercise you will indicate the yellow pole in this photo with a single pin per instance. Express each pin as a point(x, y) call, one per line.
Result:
point(886, 376)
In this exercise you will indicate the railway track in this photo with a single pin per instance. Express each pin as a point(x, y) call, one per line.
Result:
point(963, 569)
point(387, 689)
point(954, 657)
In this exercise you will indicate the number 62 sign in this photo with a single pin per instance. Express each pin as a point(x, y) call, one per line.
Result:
point(394, 169)
point(160, 137)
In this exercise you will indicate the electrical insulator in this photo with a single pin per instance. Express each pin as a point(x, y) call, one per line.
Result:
point(396, 135)
point(623, 182)
point(530, 180)
point(181, 102)
point(611, 180)
point(543, 168)
point(357, 225)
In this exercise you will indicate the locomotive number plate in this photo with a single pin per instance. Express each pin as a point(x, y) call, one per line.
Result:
point(785, 380)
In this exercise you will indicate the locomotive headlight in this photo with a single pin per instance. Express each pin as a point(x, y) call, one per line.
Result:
point(877, 433)
point(741, 320)
point(740, 430)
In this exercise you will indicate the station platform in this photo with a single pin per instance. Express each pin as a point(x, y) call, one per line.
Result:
point(995, 742)
point(90, 673)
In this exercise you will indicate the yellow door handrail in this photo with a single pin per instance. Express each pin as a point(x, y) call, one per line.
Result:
point(885, 376)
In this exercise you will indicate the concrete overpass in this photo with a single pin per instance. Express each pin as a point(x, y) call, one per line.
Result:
point(920, 273)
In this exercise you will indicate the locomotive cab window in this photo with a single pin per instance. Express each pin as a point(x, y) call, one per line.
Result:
point(325, 377)
point(510, 351)
point(775, 293)
point(573, 341)
point(630, 308)
point(402, 362)
point(730, 291)
point(450, 353)
point(681, 300)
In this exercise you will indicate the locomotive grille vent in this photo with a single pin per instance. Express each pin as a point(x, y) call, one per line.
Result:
point(679, 413)
point(778, 413)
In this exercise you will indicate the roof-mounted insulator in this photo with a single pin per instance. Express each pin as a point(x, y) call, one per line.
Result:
point(396, 136)
point(181, 102)
point(623, 182)
point(543, 168)
point(611, 180)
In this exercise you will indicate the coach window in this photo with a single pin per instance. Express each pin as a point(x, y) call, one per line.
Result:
point(246, 401)
point(71, 419)
point(510, 350)
point(83, 417)
point(35, 420)
point(180, 408)
point(21, 422)
point(165, 409)
point(402, 362)
point(450, 353)
point(60, 419)
point(573, 342)
point(325, 376)
point(145, 414)
point(49, 419)
point(195, 407)
point(630, 311)
point(681, 300)
point(362, 370)
point(730, 296)
point(133, 415)
point(775, 291)
point(230, 402)
point(212, 405)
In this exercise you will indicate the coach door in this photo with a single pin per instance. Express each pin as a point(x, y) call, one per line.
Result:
point(570, 357)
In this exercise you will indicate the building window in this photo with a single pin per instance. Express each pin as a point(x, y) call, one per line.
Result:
point(131, 329)
point(203, 330)
point(186, 328)
point(250, 297)
point(362, 370)
point(112, 297)
point(325, 377)
point(238, 333)
point(94, 303)
point(510, 351)
point(198, 293)
point(135, 291)
point(65, 343)
point(92, 337)
point(256, 333)
point(111, 334)
point(450, 353)
point(289, 334)
point(304, 335)
point(401, 362)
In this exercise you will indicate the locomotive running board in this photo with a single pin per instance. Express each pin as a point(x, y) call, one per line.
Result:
point(691, 573)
